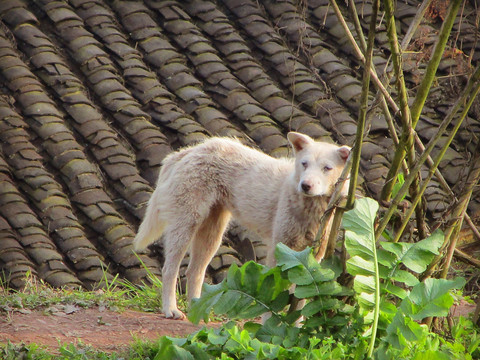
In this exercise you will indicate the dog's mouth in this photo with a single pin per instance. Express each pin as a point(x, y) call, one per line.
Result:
point(309, 194)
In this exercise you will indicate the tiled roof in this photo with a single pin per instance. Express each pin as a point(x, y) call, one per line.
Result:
point(96, 93)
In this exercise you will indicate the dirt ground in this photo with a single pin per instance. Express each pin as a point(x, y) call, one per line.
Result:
point(101, 328)
point(104, 329)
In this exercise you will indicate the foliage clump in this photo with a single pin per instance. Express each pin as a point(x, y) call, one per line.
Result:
point(381, 315)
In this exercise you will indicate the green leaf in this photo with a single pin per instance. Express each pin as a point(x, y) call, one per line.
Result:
point(432, 355)
point(247, 292)
point(398, 184)
point(302, 267)
point(170, 351)
point(200, 308)
point(403, 329)
point(360, 220)
point(217, 339)
point(405, 277)
point(431, 298)
point(360, 266)
point(331, 288)
point(416, 256)
point(360, 244)
point(320, 305)
point(395, 290)
point(288, 258)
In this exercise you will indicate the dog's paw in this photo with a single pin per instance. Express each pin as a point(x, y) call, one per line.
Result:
point(175, 314)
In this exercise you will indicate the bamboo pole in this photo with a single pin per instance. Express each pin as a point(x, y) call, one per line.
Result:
point(432, 66)
point(406, 141)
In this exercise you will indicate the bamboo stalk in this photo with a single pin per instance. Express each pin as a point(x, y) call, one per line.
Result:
point(456, 107)
point(393, 105)
point(383, 102)
point(357, 25)
point(406, 141)
point(432, 66)
point(357, 149)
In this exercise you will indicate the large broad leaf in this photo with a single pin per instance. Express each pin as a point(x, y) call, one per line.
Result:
point(416, 256)
point(430, 298)
point(302, 267)
point(402, 329)
point(360, 244)
point(310, 277)
point(247, 292)
point(360, 220)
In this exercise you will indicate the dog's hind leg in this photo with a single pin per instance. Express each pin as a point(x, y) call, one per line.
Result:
point(206, 242)
point(176, 241)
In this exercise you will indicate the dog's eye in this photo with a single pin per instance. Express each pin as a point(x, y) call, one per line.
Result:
point(327, 168)
point(305, 164)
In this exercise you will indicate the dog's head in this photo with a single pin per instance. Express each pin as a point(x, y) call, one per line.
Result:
point(318, 165)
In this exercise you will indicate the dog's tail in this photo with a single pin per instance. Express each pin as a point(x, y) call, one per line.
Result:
point(153, 225)
point(150, 229)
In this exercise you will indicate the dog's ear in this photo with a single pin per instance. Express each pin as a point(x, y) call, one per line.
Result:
point(299, 141)
point(344, 152)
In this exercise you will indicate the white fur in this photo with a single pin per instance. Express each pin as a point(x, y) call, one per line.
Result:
point(201, 187)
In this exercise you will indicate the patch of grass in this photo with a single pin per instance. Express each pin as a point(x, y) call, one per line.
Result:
point(115, 295)
point(139, 351)
point(11, 351)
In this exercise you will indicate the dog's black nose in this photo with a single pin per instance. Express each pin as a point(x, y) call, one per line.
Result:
point(306, 187)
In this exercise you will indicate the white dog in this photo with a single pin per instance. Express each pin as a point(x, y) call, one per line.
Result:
point(199, 188)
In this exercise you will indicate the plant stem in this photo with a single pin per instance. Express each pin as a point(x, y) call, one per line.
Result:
point(376, 313)
point(332, 238)
point(358, 27)
point(432, 66)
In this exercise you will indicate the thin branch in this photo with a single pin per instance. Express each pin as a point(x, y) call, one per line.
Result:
point(414, 24)
point(467, 258)
point(320, 243)
point(358, 27)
